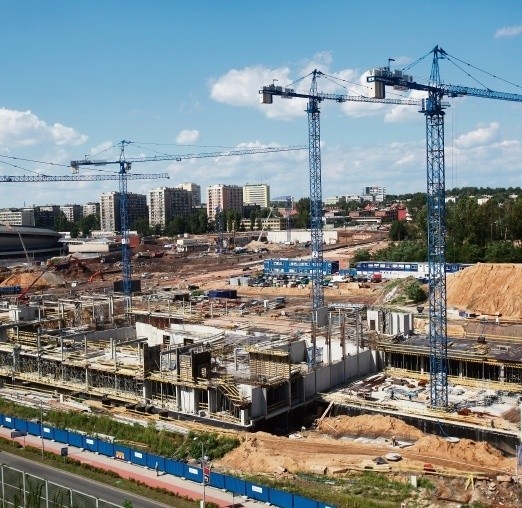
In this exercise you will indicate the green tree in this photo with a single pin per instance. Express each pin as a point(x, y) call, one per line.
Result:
point(89, 223)
point(415, 292)
point(503, 252)
point(303, 213)
point(142, 226)
point(61, 223)
point(399, 230)
point(361, 255)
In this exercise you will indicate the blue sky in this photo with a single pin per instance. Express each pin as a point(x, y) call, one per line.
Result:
point(183, 77)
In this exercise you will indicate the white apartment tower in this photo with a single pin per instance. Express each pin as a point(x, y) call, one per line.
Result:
point(166, 203)
point(90, 209)
point(195, 191)
point(71, 212)
point(17, 216)
point(226, 197)
point(256, 194)
point(374, 193)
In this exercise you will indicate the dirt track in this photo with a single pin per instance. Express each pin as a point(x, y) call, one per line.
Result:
point(261, 452)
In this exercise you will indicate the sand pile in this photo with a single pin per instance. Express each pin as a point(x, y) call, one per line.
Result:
point(487, 288)
point(465, 451)
point(24, 280)
point(253, 455)
point(369, 426)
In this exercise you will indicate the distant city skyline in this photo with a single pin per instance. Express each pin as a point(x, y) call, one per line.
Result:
point(188, 80)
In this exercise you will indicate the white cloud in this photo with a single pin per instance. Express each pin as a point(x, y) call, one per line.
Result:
point(187, 137)
point(241, 88)
point(102, 147)
point(23, 128)
point(508, 32)
point(480, 136)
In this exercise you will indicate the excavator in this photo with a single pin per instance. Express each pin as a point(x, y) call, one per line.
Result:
point(95, 275)
point(72, 259)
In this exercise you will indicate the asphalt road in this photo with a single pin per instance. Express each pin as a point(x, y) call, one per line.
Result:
point(180, 486)
point(76, 482)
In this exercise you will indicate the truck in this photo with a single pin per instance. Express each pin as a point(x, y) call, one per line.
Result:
point(376, 277)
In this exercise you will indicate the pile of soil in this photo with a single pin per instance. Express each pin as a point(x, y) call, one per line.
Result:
point(253, 456)
point(487, 288)
point(25, 280)
point(369, 426)
point(465, 451)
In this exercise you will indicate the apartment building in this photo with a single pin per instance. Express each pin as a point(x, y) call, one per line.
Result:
point(90, 209)
point(374, 193)
point(72, 212)
point(165, 203)
point(46, 216)
point(17, 216)
point(224, 197)
point(256, 194)
point(195, 191)
point(110, 218)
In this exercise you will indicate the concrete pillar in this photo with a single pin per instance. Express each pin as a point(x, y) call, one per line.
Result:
point(147, 390)
point(502, 375)
point(178, 398)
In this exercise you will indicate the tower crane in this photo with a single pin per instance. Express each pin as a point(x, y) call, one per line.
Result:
point(125, 164)
point(314, 154)
point(288, 201)
point(220, 230)
point(432, 108)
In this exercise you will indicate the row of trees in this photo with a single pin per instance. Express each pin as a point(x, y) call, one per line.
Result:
point(489, 232)
point(196, 223)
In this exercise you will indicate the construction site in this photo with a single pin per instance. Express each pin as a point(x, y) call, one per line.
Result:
point(245, 363)
point(315, 376)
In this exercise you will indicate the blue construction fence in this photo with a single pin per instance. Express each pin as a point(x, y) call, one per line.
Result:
point(161, 464)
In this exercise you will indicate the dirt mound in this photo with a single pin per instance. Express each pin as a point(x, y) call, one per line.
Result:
point(466, 451)
point(25, 280)
point(254, 456)
point(369, 426)
point(487, 288)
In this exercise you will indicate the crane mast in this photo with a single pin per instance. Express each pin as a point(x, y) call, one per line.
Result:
point(436, 199)
point(432, 108)
point(316, 201)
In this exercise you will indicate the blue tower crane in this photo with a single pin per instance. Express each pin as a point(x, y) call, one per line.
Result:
point(432, 108)
point(125, 164)
point(220, 230)
point(314, 157)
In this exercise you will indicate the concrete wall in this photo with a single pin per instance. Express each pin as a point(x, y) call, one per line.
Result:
point(23, 313)
point(329, 376)
point(186, 400)
point(300, 236)
point(154, 335)
point(258, 398)
point(93, 248)
point(127, 333)
point(401, 323)
point(195, 329)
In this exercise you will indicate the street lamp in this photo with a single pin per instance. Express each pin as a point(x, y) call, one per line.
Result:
point(41, 428)
point(204, 483)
